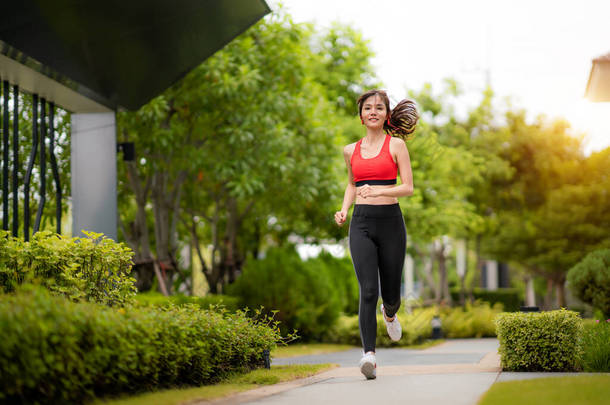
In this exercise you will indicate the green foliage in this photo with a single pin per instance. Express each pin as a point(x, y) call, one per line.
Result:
point(93, 268)
point(342, 279)
point(546, 341)
point(508, 297)
point(590, 280)
point(53, 350)
point(475, 321)
point(231, 304)
point(304, 297)
point(596, 346)
point(223, 153)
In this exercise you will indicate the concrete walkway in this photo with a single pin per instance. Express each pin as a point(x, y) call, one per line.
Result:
point(456, 372)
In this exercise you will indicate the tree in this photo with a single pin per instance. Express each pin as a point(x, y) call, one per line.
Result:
point(444, 174)
point(240, 153)
point(551, 211)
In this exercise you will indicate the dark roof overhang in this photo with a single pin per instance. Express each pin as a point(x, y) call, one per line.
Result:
point(114, 53)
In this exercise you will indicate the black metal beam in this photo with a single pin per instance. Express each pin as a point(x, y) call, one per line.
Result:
point(5, 136)
point(15, 160)
point(28, 173)
point(43, 165)
point(54, 167)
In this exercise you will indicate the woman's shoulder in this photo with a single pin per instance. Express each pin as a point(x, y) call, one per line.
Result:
point(396, 141)
point(348, 150)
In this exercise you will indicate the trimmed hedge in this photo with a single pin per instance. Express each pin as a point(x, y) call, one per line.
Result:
point(93, 268)
point(475, 321)
point(545, 341)
point(509, 297)
point(231, 304)
point(53, 350)
point(590, 280)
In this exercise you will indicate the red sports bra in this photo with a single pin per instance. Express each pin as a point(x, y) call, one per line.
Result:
point(380, 170)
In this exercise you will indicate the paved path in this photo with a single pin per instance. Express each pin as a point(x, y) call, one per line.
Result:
point(456, 372)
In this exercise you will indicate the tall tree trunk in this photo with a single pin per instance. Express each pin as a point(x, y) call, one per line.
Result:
point(442, 271)
point(560, 288)
point(548, 298)
point(479, 266)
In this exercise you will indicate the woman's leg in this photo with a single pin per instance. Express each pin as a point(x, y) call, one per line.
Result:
point(392, 241)
point(364, 257)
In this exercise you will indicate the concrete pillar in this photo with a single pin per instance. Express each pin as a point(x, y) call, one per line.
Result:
point(491, 268)
point(409, 275)
point(94, 174)
point(460, 253)
point(530, 295)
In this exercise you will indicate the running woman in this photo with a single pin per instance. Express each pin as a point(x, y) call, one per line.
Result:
point(377, 234)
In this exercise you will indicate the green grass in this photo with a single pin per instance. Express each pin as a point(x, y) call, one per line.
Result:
point(232, 385)
point(305, 349)
point(581, 390)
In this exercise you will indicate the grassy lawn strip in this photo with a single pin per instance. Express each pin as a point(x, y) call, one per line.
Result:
point(582, 390)
point(306, 349)
point(231, 385)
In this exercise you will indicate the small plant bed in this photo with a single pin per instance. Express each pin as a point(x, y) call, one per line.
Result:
point(231, 385)
point(582, 390)
point(596, 346)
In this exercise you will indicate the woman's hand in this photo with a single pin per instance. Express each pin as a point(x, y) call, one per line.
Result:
point(368, 191)
point(340, 217)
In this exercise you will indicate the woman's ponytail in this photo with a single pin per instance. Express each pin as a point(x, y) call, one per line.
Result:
point(402, 120)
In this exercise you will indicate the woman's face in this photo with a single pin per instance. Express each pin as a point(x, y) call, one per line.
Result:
point(374, 112)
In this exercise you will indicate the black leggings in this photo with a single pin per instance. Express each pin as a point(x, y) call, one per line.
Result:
point(377, 241)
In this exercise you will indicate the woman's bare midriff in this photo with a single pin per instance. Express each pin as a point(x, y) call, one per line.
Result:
point(382, 200)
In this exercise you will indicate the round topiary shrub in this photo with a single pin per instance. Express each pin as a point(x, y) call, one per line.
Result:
point(590, 280)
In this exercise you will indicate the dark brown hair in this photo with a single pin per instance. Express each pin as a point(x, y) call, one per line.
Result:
point(403, 117)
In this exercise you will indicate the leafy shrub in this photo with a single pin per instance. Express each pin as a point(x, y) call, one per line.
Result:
point(343, 279)
point(53, 350)
point(475, 321)
point(546, 341)
point(596, 346)
point(93, 268)
point(304, 298)
point(231, 304)
point(508, 297)
point(590, 280)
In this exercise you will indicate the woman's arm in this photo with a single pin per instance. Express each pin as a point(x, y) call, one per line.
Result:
point(404, 168)
point(350, 190)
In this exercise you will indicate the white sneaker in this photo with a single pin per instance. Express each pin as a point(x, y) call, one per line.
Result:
point(393, 327)
point(368, 366)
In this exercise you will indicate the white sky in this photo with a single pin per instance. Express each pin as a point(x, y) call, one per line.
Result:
point(537, 52)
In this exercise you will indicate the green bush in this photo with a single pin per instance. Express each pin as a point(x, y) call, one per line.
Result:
point(231, 304)
point(596, 346)
point(304, 297)
point(509, 297)
point(343, 279)
point(590, 280)
point(475, 321)
point(93, 268)
point(53, 350)
point(546, 341)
